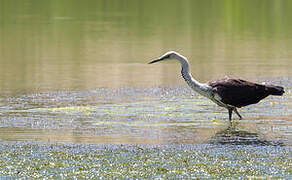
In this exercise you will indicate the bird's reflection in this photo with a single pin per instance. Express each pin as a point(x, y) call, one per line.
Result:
point(234, 136)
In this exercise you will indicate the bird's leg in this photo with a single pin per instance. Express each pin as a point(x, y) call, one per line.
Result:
point(235, 110)
point(230, 113)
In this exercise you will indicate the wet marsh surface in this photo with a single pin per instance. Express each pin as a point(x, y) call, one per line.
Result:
point(157, 132)
point(78, 99)
point(38, 160)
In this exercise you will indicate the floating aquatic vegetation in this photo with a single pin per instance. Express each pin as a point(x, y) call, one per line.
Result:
point(39, 160)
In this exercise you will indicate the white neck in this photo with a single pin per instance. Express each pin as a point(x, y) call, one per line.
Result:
point(201, 88)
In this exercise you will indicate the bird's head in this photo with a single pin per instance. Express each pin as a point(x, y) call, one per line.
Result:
point(168, 55)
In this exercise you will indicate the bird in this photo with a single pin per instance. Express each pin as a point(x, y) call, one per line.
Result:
point(230, 93)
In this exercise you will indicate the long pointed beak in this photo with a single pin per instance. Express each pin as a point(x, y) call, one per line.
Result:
point(156, 60)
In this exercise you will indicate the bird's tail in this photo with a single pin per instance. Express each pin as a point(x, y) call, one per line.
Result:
point(275, 90)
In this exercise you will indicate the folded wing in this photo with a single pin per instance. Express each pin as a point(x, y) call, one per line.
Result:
point(238, 92)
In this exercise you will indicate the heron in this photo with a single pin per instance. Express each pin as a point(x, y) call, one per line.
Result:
point(230, 93)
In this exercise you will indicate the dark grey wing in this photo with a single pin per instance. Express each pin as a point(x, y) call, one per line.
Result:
point(238, 92)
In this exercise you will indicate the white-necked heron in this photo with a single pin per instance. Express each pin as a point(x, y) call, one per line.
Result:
point(230, 93)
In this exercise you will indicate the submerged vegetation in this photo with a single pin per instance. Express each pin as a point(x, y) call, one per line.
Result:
point(39, 160)
point(183, 137)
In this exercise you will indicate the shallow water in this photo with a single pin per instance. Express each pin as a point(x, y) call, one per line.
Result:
point(156, 115)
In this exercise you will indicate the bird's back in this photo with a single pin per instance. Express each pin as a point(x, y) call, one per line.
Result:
point(239, 93)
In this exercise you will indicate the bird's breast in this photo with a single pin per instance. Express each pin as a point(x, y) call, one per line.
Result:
point(217, 97)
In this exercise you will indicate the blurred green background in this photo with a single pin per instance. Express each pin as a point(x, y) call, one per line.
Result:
point(56, 45)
